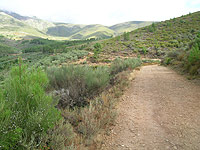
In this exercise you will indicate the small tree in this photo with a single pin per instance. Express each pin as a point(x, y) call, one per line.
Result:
point(152, 28)
point(126, 36)
point(144, 50)
point(26, 111)
point(97, 50)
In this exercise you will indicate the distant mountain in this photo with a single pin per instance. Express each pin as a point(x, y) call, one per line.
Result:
point(74, 31)
point(15, 15)
point(14, 25)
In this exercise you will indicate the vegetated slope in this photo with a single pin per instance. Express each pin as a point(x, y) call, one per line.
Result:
point(158, 38)
point(20, 26)
point(129, 26)
point(74, 31)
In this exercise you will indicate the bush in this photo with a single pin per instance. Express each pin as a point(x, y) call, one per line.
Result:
point(4, 50)
point(97, 50)
point(76, 83)
point(26, 112)
point(60, 137)
point(126, 36)
point(194, 55)
point(120, 65)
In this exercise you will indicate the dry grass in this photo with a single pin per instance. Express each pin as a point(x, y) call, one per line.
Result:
point(87, 124)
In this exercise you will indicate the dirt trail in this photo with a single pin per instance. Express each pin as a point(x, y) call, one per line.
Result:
point(160, 111)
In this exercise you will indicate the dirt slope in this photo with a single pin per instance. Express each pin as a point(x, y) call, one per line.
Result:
point(160, 111)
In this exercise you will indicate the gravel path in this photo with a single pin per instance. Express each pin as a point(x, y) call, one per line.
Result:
point(160, 111)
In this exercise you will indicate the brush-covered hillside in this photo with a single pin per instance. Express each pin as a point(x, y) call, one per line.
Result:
point(158, 38)
point(176, 40)
point(16, 26)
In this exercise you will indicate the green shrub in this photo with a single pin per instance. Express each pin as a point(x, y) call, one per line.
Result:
point(173, 54)
point(144, 50)
point(120, 65)
point(4, 50)
point(97, 50)
point(126, 36)
point(76, 83)
point(194, 55)
point(26, 112)
point(167, 60)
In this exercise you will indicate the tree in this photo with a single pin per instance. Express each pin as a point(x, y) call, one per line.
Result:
point(97, 50)
point(126, 36)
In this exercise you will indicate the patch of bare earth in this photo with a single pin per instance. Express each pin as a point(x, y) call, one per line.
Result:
point(160, 111)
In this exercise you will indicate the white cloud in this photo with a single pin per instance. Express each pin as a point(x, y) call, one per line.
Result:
point(106, 12)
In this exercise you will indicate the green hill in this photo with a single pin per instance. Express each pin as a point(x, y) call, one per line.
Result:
point(176, 40)
point(159, 37)
point(16, 26)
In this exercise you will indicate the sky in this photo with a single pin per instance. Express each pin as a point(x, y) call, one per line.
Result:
point(106, 12)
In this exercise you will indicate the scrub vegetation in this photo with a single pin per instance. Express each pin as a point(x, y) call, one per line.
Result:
point(59, 94)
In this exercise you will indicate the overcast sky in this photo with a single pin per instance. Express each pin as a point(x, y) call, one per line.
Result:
point(106, 12)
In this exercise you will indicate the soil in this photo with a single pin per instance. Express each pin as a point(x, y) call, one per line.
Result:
point(160, 111)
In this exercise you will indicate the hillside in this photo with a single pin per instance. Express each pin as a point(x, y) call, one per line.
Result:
point(157, 38)
point(16, 26)
point(129, 26)
point(176, 41)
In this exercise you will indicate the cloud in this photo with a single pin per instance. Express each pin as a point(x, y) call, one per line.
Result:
point(105, 12)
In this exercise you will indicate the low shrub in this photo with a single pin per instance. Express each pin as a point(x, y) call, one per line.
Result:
point(194, 55)
point(187, 60)
point(76, 83)
point(120, 65)
point(61, 137)
point(90, 120)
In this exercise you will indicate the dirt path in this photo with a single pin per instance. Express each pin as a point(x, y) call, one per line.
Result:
point(160, 111)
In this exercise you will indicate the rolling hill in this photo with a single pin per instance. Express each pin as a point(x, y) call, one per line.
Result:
point(16, 26)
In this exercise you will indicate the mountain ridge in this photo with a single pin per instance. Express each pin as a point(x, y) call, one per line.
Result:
point(58, 30)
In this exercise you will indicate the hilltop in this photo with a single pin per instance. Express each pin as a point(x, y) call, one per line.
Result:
point(15, 26)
